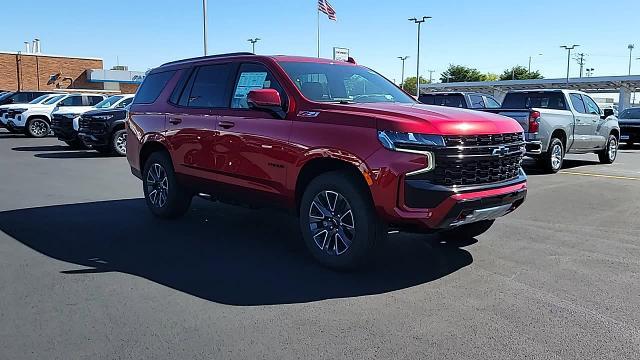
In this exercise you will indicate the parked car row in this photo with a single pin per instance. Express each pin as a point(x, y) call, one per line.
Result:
point(556, 122)
point(82, 121)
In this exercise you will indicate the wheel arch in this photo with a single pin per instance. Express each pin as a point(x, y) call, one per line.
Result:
point(149, 147)
point(560, 134)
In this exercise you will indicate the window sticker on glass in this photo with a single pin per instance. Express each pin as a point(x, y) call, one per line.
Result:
point(248, 81)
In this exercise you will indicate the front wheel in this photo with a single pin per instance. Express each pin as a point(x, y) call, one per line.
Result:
point(38, 128)
point(165, 197)
point(610, 152)
point(119, 142)
point(338, 221)
point(468, 231)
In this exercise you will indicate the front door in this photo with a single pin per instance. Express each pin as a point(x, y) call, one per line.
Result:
point(252, 149)
point(598, 137)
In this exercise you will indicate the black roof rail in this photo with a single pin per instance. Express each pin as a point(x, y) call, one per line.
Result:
point(208, 57)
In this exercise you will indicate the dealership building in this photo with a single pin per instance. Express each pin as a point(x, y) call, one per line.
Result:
point(33, 70)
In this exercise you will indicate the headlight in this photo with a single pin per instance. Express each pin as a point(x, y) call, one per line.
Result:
point(409, 142)
point(18, 111)
point(103, 117)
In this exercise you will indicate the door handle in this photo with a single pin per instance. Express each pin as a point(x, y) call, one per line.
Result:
point(175, 121)
point(226, 124)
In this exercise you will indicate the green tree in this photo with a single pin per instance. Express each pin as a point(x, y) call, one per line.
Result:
point(460, 73)
point(520, 73)
point(409, 84)
point(491, 77)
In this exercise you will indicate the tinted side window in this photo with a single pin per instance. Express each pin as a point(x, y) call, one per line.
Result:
point(426, 99)
point(152, 87)
point(477, 102)
point(21, 97)
point(180, 86)
point(250, 77)
point(450, 100)
point(124, 103)
point(492, 103)
point(576, 101)
point(210, 86)
point(592, 107)
point(75, 100)
point(93, 100)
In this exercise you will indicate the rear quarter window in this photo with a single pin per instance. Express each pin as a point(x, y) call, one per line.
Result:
point(152, 87)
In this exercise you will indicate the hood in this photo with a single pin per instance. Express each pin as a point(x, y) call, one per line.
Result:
point(115, 112)
point(74, 110)
point(14, 106)
point(430, 119)
point(628, 121)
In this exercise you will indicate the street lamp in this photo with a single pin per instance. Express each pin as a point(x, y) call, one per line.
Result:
point(253, 44)
point(419, 22)
point(569, 48)
point(403, 58)
point(590, 72)
point(204, 25)
point(530, 62)
point(630, 47)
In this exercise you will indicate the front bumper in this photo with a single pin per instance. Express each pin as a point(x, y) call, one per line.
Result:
point(449, 208)
point(11, 125)
point(94, 139)
point(630, 133)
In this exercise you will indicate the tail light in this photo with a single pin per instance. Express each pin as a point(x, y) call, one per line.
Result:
point(534, 121)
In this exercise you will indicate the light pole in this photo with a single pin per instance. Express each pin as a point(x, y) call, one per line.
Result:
point(204, 25)
point(419, 22)
point(530, 61)
point(402, 58)
point(630, 47)
point(253, 44)
point(569, 48)
point(431, 76)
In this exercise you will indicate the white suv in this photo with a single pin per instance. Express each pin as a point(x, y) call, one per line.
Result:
point(11, 110)
point(35, 119)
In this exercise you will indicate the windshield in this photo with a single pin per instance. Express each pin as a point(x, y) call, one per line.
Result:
point(39, 99)
point(5, 95)
point(53, 99)
point(108, 102)
point(630, 114)
point(333, 82)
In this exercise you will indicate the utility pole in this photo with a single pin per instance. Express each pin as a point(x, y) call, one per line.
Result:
point(253, 44)
point(431, 76)
point(530, 62)
point(419, 22)
point(569, 48)
point(630, 47)
point(580, 60)
point(402, 58)
point(204, 25)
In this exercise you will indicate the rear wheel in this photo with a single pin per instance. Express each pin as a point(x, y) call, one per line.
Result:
point(38, 128)
point(338, 221)
point(165, 197)
point(119, 142)
point(468, 231)
point(610, 152)
point(552, 160)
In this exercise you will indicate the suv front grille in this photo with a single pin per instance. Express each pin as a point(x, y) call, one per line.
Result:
point(476, 160)
point(62, 122)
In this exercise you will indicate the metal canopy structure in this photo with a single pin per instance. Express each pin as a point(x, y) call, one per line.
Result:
point(624, 85)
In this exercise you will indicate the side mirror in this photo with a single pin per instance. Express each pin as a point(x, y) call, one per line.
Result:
point(607, 113)
point(266, 100)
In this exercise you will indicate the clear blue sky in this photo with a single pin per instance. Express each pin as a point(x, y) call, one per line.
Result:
point(489, 35)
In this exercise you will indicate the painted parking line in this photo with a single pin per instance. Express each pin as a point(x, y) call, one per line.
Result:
point(600, 175)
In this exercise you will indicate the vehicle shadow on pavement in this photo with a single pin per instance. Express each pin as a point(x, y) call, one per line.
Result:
point(530, 167)
point(221, 253)
point(73, 154)
point(43, 148)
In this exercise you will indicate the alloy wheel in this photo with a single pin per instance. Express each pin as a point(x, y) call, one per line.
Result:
point(613, 148)
point(38, 128)
point(556, 156)
point(157, 185)
point(121, 143)
point(332, 223)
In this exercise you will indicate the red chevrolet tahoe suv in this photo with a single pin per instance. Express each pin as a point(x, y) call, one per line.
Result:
point(338, 144)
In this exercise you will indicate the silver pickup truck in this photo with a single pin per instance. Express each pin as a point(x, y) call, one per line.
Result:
point(557, 122)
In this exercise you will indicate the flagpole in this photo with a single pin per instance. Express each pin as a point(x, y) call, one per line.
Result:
point(318, 10)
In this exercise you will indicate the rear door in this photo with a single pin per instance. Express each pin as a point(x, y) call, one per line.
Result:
point(584, 126)
point(201, 92)
point(252, 150)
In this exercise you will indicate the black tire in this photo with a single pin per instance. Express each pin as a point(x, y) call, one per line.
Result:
point(77, 144)
point(354, 219)
point(468, 231)
point(610, 152)
point(37, 127)
point(119, 142)
point(171, 199)
point(549, 161)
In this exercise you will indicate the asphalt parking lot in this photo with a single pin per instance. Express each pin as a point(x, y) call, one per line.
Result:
point(86, 272)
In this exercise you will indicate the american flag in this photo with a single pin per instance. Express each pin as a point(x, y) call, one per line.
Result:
point(325, 7)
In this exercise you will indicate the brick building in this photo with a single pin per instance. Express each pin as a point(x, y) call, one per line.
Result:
point(33, 71)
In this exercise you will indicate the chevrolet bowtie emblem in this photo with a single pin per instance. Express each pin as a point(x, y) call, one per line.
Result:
point(501, 151)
